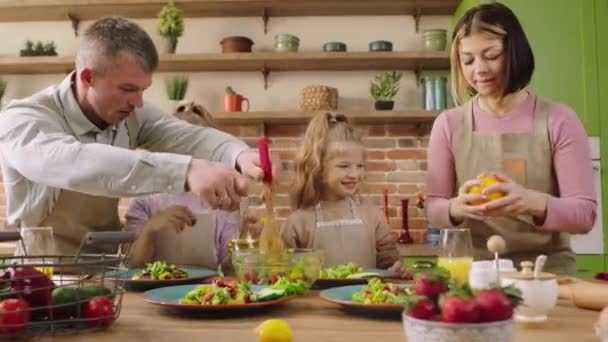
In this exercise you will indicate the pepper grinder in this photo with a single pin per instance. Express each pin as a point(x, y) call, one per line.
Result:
point(404, 235)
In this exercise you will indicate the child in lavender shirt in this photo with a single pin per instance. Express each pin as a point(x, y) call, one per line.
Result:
point(153, 218)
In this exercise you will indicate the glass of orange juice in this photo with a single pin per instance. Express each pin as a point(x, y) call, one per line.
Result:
point(456, 252)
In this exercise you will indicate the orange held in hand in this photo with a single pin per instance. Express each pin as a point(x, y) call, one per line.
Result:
point(484, 183)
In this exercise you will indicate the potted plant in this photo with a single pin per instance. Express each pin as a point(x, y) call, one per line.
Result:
point(176, 87)
point(170, 26)
point(384, 88)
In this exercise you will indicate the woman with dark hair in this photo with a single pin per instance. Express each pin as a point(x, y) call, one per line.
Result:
point(536, 149)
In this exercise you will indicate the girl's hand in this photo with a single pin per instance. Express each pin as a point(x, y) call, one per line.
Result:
point(460, 206)
point(176, 217)
point(401, 270)
point(517, 200)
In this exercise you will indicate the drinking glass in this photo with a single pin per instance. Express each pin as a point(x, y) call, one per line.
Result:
point(456, 252)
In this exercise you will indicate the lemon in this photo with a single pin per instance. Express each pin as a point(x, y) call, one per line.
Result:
point(274, 330)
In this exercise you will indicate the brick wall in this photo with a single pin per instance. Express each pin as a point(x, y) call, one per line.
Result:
point(396, 161)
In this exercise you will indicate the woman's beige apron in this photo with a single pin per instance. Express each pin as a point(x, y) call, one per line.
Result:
point(75, 214)
point(192, 246)
point(526, 158)
point(345, 240)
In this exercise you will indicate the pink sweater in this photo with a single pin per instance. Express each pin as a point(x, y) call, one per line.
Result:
point(574, 210)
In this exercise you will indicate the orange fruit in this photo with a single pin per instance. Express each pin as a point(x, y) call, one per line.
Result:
point(484, 183)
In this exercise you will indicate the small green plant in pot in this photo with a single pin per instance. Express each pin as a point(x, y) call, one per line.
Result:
point(176, 87)
point(384, 89)
point(170, 26)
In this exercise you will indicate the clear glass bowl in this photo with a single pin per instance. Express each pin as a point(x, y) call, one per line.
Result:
point(253, 266)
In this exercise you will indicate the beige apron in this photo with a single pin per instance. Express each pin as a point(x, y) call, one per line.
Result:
point(193, 246)
point(345, 240)
point(526, 158)
point(74, 214)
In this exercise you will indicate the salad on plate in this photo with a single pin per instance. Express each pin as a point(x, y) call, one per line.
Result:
point(160, 270)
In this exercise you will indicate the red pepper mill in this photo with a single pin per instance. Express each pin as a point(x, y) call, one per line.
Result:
point(404, 235)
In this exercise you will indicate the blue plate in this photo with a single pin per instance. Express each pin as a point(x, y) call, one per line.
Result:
point(343, 296)
point(325, 283)
point(195, 275)
point(169, 297)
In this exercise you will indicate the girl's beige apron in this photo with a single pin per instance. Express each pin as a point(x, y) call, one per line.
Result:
point(74, 214)
point(526, 158)
point(345, 240)
point(192, 246)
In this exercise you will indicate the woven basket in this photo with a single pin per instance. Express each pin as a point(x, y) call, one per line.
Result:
point(318, 97)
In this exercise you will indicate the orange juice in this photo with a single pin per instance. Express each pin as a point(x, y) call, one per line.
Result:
point(459, 267)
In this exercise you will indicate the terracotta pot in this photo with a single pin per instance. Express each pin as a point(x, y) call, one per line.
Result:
point(234, 103)
point(236, 44)
point(168, 45)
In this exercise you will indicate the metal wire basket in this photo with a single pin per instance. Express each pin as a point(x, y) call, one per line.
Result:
point(58, 288)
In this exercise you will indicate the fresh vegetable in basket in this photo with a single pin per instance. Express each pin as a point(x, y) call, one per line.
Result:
point(14, 315)
point(66, 300)
point(99, 311)
point(160, 270)
point(31, 285)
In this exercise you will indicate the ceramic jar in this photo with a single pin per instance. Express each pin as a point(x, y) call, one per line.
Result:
point(539, 294)
point(236, 44)
point(381, 45)
point(286, 43)
point(434, 39)
point(334, 47)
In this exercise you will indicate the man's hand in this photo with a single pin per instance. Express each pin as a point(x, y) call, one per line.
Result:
point(220, 186)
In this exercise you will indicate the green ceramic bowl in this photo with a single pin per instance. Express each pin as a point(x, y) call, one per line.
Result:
point(334, 47)
point(381, 45)
point(434, 39)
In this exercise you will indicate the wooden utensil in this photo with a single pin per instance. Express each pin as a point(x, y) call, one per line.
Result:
point(271, 242)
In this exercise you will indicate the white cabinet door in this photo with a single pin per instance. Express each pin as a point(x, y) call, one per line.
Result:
point(593, 242)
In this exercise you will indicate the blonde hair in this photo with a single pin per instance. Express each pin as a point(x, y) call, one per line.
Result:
point(194, 113)
point(323, 130)
point(461, 90)
point(497, 21)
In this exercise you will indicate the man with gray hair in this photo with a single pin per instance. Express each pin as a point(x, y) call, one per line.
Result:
point(67, 151)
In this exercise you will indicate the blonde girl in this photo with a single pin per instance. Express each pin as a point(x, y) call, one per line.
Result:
point(328, 212)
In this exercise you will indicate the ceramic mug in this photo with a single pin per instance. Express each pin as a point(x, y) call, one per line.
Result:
point(234, 103)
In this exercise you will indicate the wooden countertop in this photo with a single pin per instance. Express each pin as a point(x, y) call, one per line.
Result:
point(417, 250)
point(311, 318)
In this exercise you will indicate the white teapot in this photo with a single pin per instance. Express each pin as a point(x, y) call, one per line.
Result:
point(539, 291)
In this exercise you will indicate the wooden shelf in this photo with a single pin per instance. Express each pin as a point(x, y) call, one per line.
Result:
point(295, 117)
point(45, 10)
point(256, 61)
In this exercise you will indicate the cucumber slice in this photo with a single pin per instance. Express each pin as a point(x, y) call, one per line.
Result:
point(267, 294)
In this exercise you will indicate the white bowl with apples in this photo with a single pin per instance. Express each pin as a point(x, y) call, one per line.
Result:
point(455, 313)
